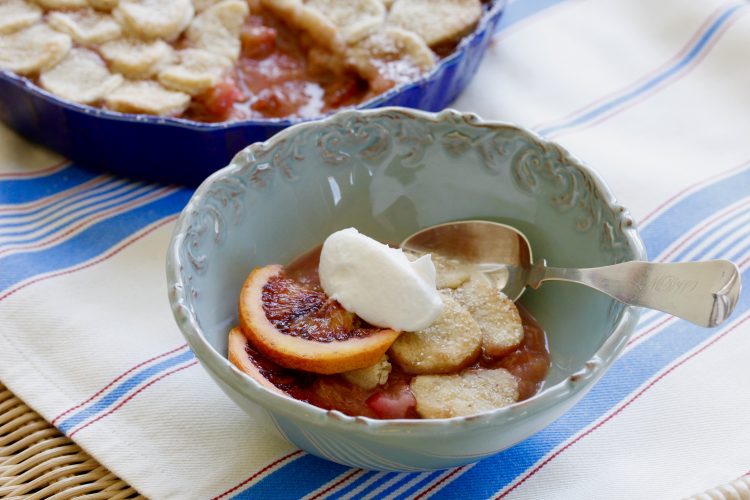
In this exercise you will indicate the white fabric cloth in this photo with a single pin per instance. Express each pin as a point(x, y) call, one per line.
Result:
point(654, 95)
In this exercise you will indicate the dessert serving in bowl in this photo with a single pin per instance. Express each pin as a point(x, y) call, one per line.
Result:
point(171, 90)
point(389, 173)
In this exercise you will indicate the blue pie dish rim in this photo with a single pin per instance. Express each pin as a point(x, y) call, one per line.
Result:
point(489, 21)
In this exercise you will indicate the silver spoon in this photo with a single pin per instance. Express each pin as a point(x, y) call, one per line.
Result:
point(704, 293)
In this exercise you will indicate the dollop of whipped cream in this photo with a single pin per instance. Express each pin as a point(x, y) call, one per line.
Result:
point(379, 283)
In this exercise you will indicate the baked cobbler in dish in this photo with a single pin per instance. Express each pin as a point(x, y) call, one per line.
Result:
point(471, 349)
point(209, 60)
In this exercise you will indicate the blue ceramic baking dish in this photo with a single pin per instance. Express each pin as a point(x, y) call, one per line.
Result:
point(181, 151)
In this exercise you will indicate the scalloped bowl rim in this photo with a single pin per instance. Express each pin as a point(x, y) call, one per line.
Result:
point(459, 51)
point(221, 367)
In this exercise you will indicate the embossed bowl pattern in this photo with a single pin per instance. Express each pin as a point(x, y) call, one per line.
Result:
point(390, 172)
point(185, 152)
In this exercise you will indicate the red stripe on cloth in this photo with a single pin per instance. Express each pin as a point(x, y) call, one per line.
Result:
point(141, 389)
point(681, 193)
point(442, 480)
point(622, 407)
point(645, 78)
point(337, 483)
point(703, 226)
point(264, 469)
point(21, 207)
point(665, 320)
point(115, 381)
point(117, 250)
point(87, 222)
point(654, 90)
point(35, 173)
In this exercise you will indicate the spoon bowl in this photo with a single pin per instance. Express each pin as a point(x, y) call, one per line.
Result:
point(704, 293)
point(497, 249)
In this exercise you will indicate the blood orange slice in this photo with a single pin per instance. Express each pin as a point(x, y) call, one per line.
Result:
point(298, 326)
point(237, 349)
point(267, 373)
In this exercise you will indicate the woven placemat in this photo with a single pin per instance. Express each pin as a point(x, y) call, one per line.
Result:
point(38, 462)
point(736, 490)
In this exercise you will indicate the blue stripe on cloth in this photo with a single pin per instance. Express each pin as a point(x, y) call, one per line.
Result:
point(90, 242)
point(734, 249)
point(717, 230)
point(626, 375)
point(308, 474)
point(686, 214)
point(742, 252)
point(58, 206)
point(109, 398)
point(132, 193)
point(420, 484)
point(518, 10)
point(379, 482)
point(27, 190)
point(669, 72)
point(349, 487)
point(650, 320)
point(72, 195)
point(387, 492)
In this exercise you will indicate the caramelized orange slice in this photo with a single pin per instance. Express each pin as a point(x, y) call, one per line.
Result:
point(237, 346)
point(267, 373)
point(298, 326)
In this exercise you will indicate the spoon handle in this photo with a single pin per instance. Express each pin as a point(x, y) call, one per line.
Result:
point(704, 293)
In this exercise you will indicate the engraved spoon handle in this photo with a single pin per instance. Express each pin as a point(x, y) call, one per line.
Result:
point(704, 293)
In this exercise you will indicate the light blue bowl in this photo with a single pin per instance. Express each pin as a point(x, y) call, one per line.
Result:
point(390, 172)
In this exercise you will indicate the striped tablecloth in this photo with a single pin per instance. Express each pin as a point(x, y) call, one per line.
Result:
point(655, 95)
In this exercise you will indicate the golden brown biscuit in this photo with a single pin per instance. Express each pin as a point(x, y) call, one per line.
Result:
point(147, 96)
point(450, 343)
point(32, 49)
point(82, 76)
point(497, 315)
point(18, 14)
point(436, 21)
point(85, 26)
point(467, 393)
